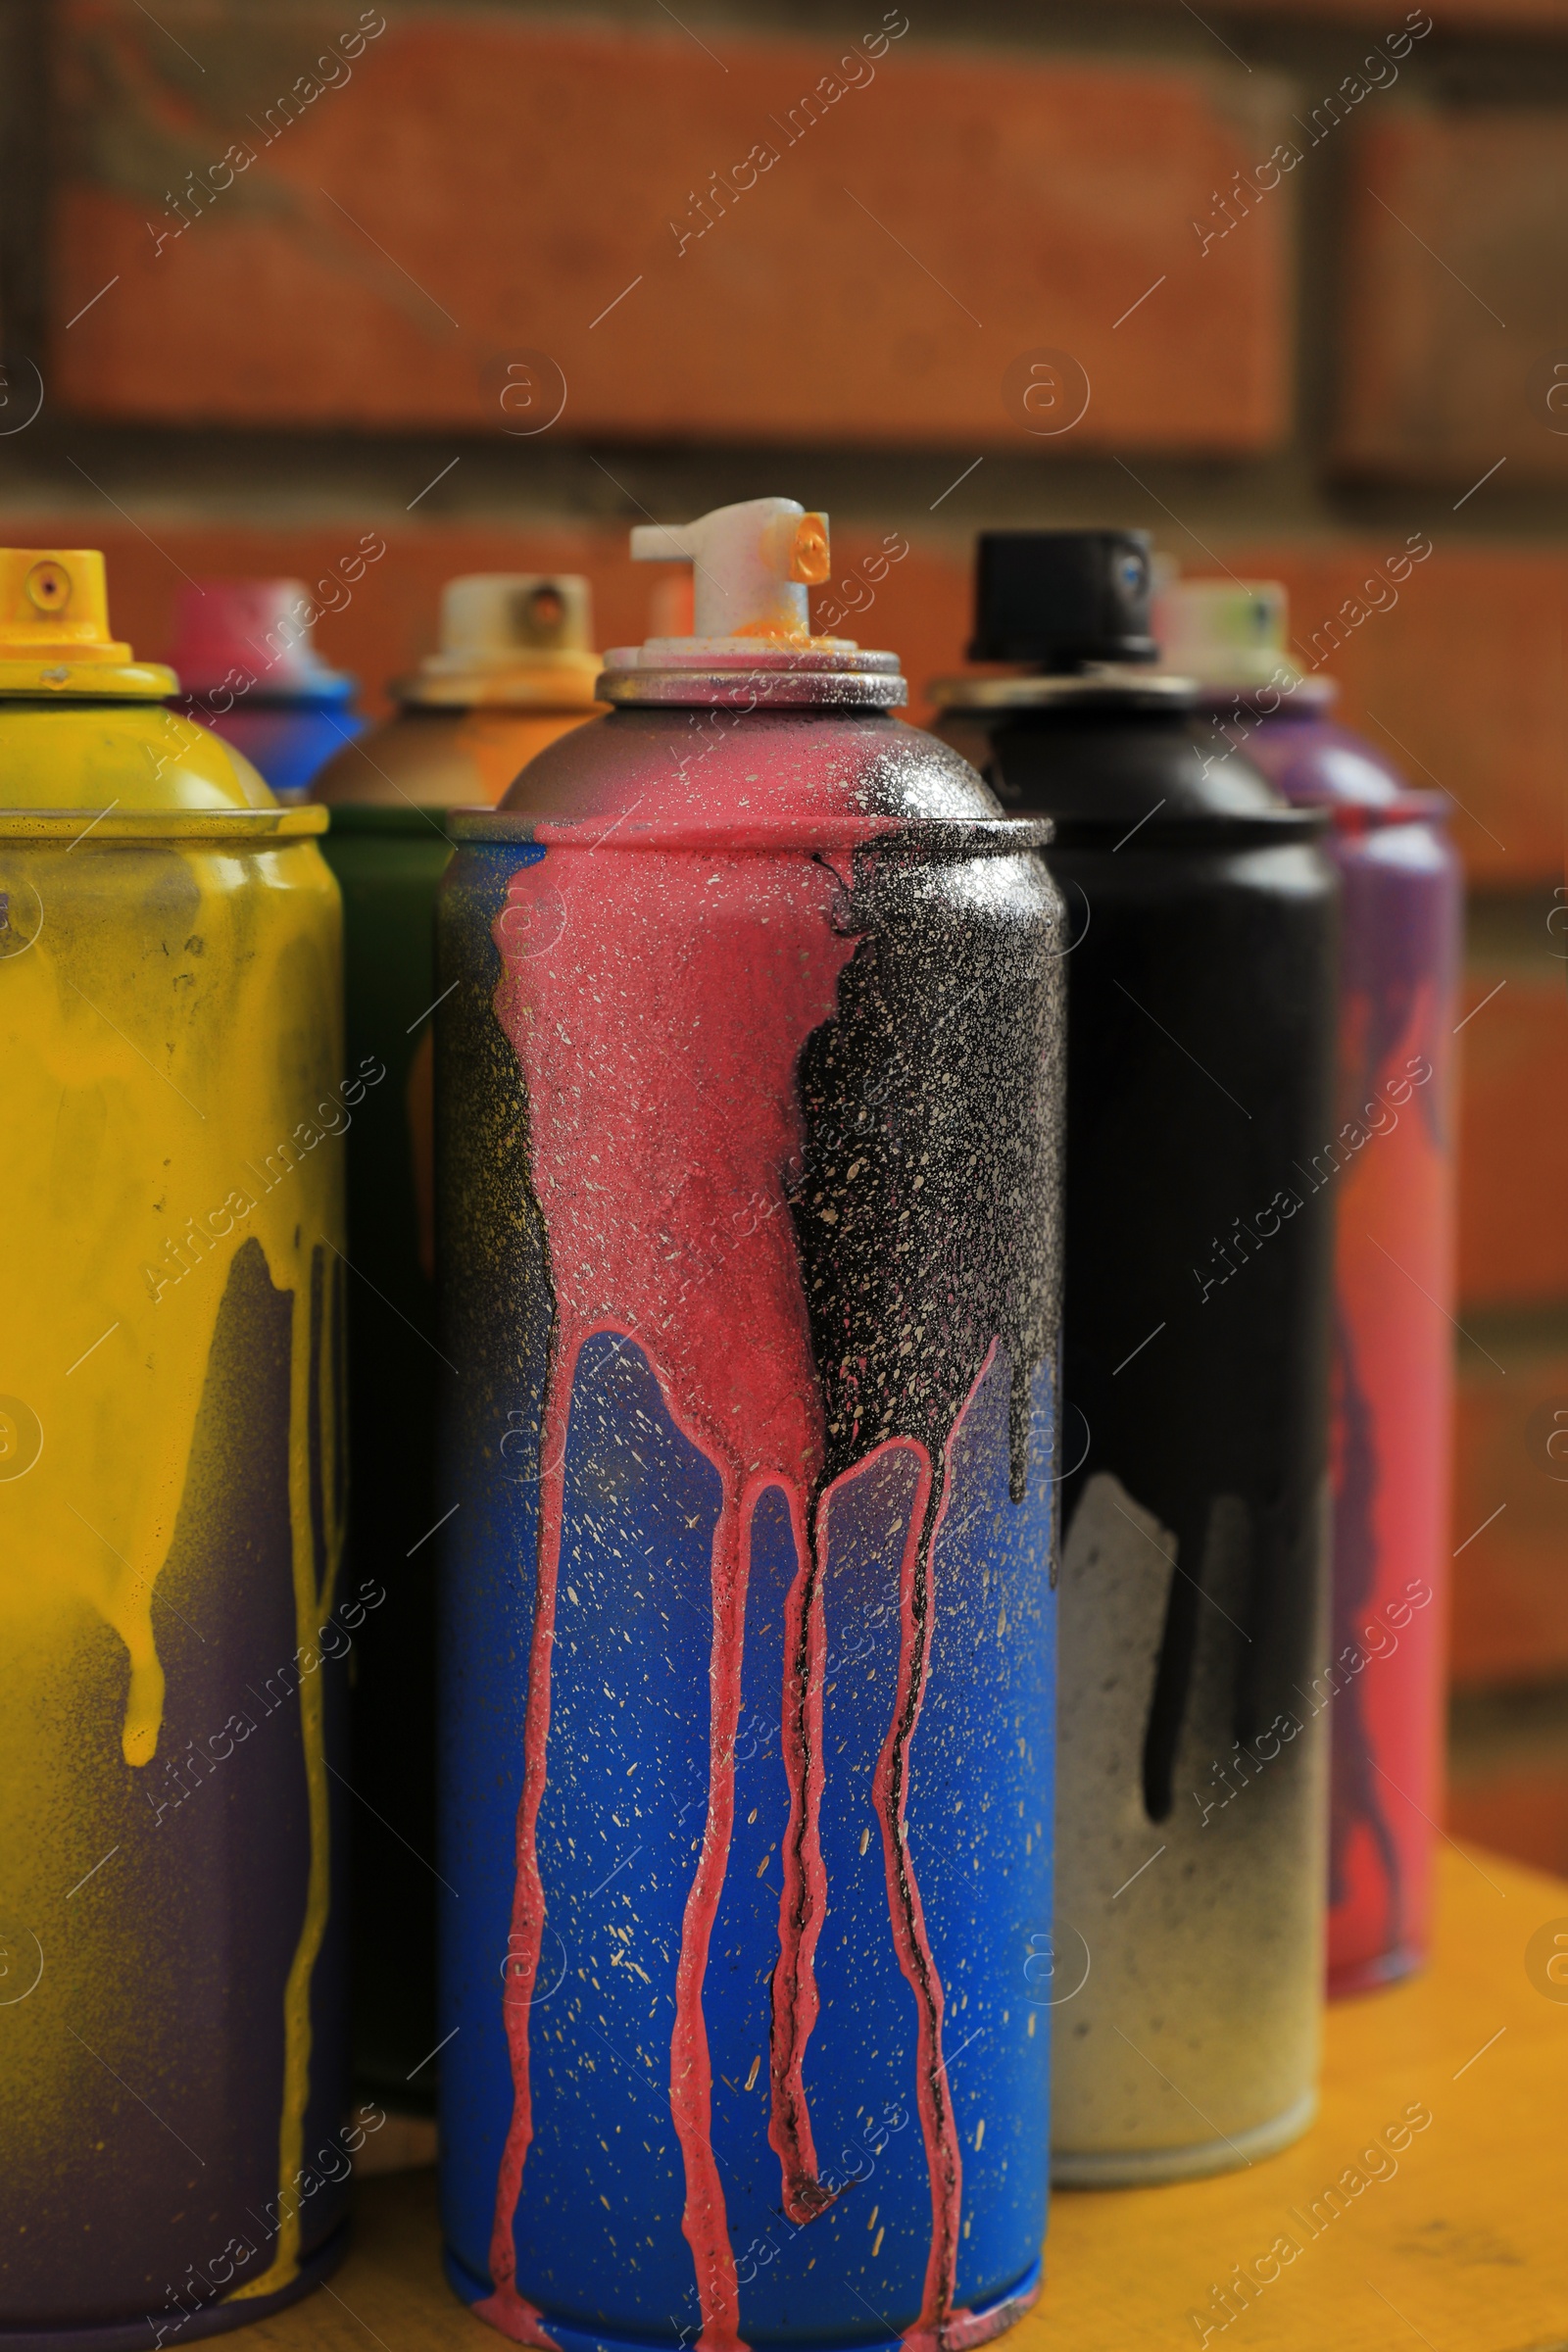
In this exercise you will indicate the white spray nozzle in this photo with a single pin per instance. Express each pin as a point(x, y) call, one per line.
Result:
point(1227, 632)
point(498, 615)
point(752, 564)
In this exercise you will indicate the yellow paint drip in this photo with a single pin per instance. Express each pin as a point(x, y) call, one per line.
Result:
point(311, 1603)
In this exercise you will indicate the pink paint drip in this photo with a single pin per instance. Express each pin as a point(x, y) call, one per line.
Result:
point(939, 2327)
point(802, 1905)
point(659, 1038)
point(890, 1794)
point(506, 2308)
point(803, 1902)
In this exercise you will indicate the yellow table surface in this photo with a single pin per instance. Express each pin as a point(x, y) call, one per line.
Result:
point(1465, 2248)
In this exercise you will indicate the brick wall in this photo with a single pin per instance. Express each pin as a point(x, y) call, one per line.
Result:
point(278, 271)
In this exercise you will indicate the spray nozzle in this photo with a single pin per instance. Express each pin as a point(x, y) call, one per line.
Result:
point(1230, 633)
point(54, 630)
point(509, 640)
point(54, 601)
point(750, 636)
point(751, 566)
point(501, 616)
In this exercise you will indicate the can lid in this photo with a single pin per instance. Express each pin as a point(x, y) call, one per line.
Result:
point(1062, 601)
point(54, 631)
point(510, 639)
point(752, 643)
point(259, 629)
point(1228, 633)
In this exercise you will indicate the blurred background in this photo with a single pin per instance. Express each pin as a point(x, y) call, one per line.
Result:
point(487, 284)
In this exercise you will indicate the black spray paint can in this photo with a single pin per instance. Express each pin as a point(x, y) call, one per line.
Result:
point(1193, 1747)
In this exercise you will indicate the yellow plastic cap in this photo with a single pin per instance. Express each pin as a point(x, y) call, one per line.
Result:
point(55, 600)
point(54, 629)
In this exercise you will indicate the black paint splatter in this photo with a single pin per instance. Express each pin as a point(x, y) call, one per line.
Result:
point(928, 1216)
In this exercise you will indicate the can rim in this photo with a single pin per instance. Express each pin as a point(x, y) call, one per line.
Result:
point(1202, 830)
point(715, 689)
point(1408, 807)
point(747, 675)
point(1124, 683)
point(975, 836)
point(163, 824)
point(384, 816)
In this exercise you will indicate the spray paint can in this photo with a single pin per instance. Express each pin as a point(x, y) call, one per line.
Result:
point(1191, 1757)
point(250, 673)
point(170, 1494)
point(1393, 1262)
point(515, 670)
point(748, 1076)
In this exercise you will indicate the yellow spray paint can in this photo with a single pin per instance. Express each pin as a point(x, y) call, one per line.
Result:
point(172, 1492)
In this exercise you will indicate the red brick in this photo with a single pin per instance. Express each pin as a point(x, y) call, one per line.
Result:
point(510, 177)
point(1513, 1137)
point(1462, 681)
point(1510, 1588)
point(1456, 242)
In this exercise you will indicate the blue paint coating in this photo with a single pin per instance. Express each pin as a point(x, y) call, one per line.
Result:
point(600, 2247)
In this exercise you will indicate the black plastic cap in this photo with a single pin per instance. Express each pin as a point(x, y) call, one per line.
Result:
point(1060, 600)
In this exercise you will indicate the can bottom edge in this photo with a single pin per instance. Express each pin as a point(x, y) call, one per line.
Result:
point(1140, 2167)
point(1370, 1976)
point(214, 2318)
point(966, 2329)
